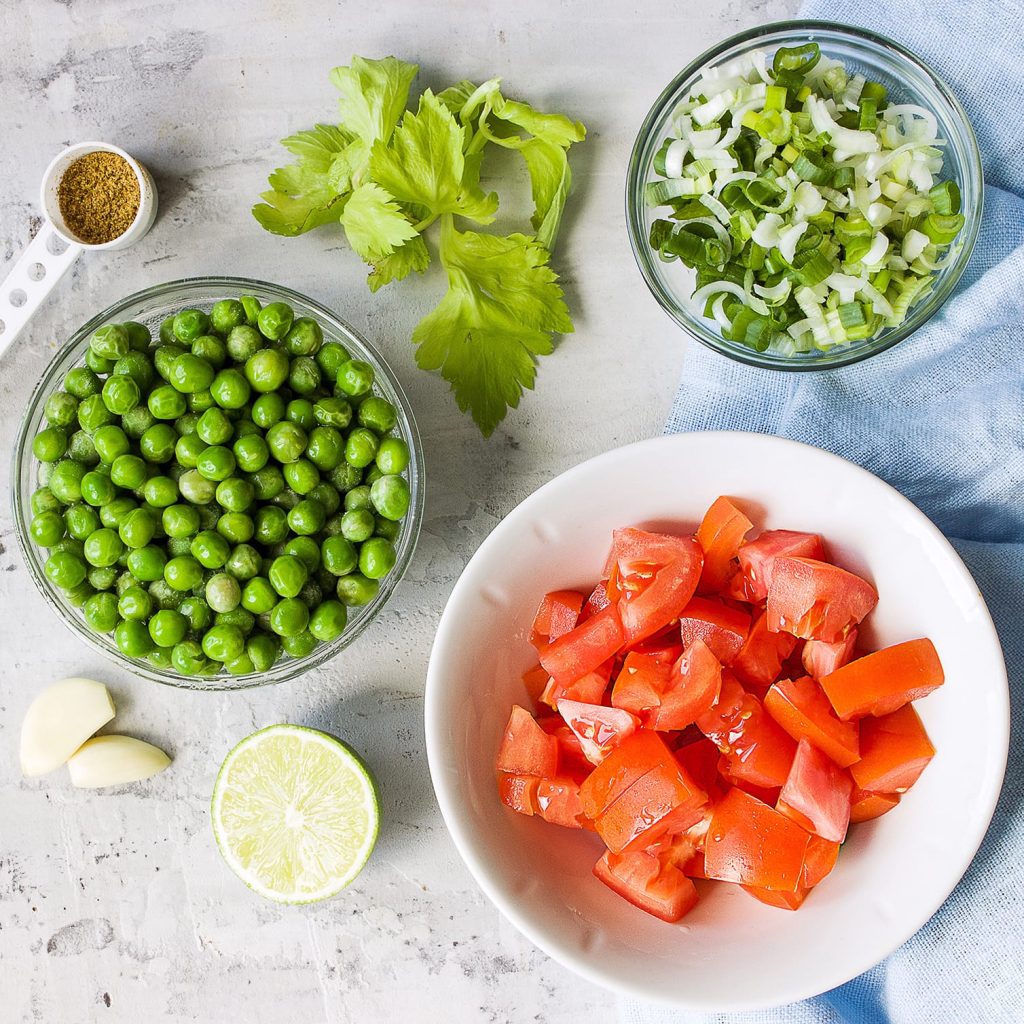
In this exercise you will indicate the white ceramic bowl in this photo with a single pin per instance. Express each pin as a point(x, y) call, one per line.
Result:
point(730, 953)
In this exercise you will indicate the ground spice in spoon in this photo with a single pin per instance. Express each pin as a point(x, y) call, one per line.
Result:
point(98, 197)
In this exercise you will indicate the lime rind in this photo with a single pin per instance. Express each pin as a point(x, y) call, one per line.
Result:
point(295, 813)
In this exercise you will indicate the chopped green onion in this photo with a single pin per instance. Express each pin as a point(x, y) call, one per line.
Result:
point(942, 228)
point(945, 197)
point(797, 59)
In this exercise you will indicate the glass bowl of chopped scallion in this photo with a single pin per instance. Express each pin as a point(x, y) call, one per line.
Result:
point(804, 195)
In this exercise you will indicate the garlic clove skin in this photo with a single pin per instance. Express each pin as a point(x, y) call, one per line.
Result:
point(113, 761)
point(60, 720)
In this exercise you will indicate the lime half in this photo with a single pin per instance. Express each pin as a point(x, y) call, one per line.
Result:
point(295, 813)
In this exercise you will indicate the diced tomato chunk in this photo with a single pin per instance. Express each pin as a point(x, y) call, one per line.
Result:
point(753, 844)
point(691, 689)
point(637, 553)
point(535, 680)
point(558, 802)
point(597, 601)
point(571, 759)
point(556, 616)
point(783, 900)
point(757, 558)
point(599, 728)
point(802, 709)
point(720, 535)
point(640, 682)
point(526, 749)
point(635, 757)
point(894, 750)
point(815, 600)
point(700, 759)
point(820, 658)
point(884, 681)
point(588, 688)
point(651, 599)
point(584, 648)
point(864, 805)
point(816, 795)
point(519, 792)
point(766, 794)
point(821, 858)
point(762, 654)
point(722, 627)
point(659, 889)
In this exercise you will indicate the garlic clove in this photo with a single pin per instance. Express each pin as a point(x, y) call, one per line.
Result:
point(60, 720)
point(115, 760)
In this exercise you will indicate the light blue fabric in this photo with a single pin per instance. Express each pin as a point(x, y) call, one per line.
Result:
point(941, 417)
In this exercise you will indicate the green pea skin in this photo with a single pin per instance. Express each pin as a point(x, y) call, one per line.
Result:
point(390, 496)
point(165, 403)
point(183, 573)
point(66, 481)
point(146, 564)
point(392, 456)
point(287, 575)
point(103, 547)
point(135, 603)
point(268, 410)
point(167, 627)
point(339, 556)
point(267, 482)
point(301, 476)
point(195, 488)
point(258, 596)
point(330, 358)
point(357, 525)
point(354, 378)
point(50, 444)
point(358, 497)
point(81, 520)
point(333, 412)
point(235, 494)
point(223, 592)
point(306, 549)
point(44, 500)
point(98, 364)
point(188, 659)
point(275, 320)
point(377, 558)
point(100, 612)
point(110, 342)
point(387, 528)
point(304, 377)
point(190, 373)
point(328, 621)
point(132, 638)
point(226, 315)
point(307, 517)
point(251, 453)
point(210, 549)
point(97, 489)
point(120, 394)
point(187, 450)
point(214, 427)
point(137, 528)
point(240, 666)
point(326, 494)
point(230, 389)
point(136, 422)
point(200, 401)
point(301, 411)
point(80, 382)
point(216, 463)
point(244, 562)
point(164, 356)
point(65, 570)
point(289, 617)
point(139, 338)
point(223, 643)
point(47, 528)
point(81, 448)
point(237, 527)
point(270, 524)
point(78, 595)
point(301, 645)
point(378, 414)
point(361, 447)
point(345, 476)
point(93, 414)
point(287, 441)
point(189, 324)
point(267, 370)
point(263, 650)
point(157, 443)
point(326, 448)
point(160, 491)
point(61, 409)
point(304, 337)
point(356, 589)
point(197, 611)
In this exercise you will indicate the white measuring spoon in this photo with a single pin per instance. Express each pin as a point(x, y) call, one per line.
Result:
point(50, 254)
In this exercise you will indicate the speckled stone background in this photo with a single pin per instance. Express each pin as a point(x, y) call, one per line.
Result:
point(114, 905)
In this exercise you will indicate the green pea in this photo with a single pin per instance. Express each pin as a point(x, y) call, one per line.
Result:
point(195, 488)
point(160, 659)
point(189, 324)
point(139, 338)
point(392, 456)
point(160, 491)
point(251, 453)
point(128, 471)
point(327, 495)
point(200, 401)
point(190, 373)
point(147, 563)
point(268, 483)
point(390, 496)
point(354, 378)
point(167, 627)
point(307, 517)
point(157, 443)
point(306, 550)
point(345, 476)
point(110, 342)
point(135, 603)
point(50, 444)
point(177, 546)
point(132, 638)
point(244, 562)
point(304, 338)
point(93, 414)
point(378, 414)
point(270, 525)
point(358, 497)
point(328, 621)
point(223, 643)
point(263, 650)
point(65, 569)
point(301, 476)
point(78, 595)
point(339, 555)
point(136, 421)
point(216, 463)
point(44, 500)
point(97, 489)
point(197, 611)
point(137, 528)
point(226, 315)
point(386, 528)
point(164, 356)
point(357, 525)
point(187, 450)
point(326, 448)
point(81, 520)
point(214, 427)
point(287, 441)
point(188, 659)
point(240, 666)
point(275, 320)
point(137, 366)
point(356, 589)
point(301, 645)
point(47, 528)
point(377, 558)
point(210, 549)
point(223, 592)
point(98, 364)
point(81, 382)
point(237, 527)
point(287, 575)
point(120, 394)
point(165, 403)
point(372, 473)
point(66, 481)
point(230, 389)
point(103, 547)
point(103, 577)
point(100, 612)
point(81, 448)
point(166, 331)
point(304, 377)
point(183, 573)
point(268, 410)
point(258, 596)
point(235, 494)
point(289, 617)
point(212, 349)
point(252, 307)
point(330, 358)
point(114, 513)
point(301, 411)
point(361, 447)
point(267, 370)
point(61, 409)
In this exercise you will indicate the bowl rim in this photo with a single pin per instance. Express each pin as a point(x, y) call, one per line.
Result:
point(463, 836)
point(282, 670)
point(636, 174)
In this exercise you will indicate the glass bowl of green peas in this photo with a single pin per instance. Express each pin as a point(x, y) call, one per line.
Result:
point(218, 483)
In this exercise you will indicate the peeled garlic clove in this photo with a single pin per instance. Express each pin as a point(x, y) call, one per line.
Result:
point(114, 760)
point(60, 720)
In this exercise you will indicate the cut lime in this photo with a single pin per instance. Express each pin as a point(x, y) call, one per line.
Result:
point(295, 813)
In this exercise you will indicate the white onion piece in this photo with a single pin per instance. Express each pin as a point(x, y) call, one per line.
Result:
point(879, 247)
point(701, 295)
point(846, 139)
point(914, 243)
point(845, 284)
point(788, 239)
point(674, 157)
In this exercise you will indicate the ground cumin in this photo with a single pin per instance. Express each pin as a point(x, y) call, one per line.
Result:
point(98, 197)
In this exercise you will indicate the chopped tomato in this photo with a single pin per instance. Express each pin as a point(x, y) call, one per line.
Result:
point(802, 709)
point(894, 750)
point(783, 900)
point(815, 600)
point(571, 759)
point(597, 601)
point(685, 850)
point(526, 749)
point(722, 627)
point(558, 613)
point(519, 792)
point(653, 597)
point(720, 535)
point(753, 844)
point(535, 680)
point(558, 801)
point(864, 805)
point(691, 689)
point(766, 794)
point(816, 794)
point(820, 658)
point(638, 553)
point(659, 889)
point(588, 688)
point(700, 759)
point(635, 757)
point(821, 858)
point(762, 654)
point(663, 801)
point(598, 728)
point(584, 648)
point(757, 558)
point(640, 682)
point(884, 681)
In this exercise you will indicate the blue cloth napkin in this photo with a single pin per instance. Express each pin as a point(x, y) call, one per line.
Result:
point(941, 418)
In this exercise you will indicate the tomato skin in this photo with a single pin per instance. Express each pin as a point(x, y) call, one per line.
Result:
point(640, 683)
point(815, 600)
point(584, 648)
point(653, 601)
point(865, 806)
point(519, 792)
point(884, 681)
point(816, 795)
point(894, 750)
point(720, 535)
point(627, 763)
point(757, 558)
point(821, 659)
point(821, 858)
point(692, 688)
point(598, 728)
point(760, 658)
point(526, 749)
point(753, 844)
point(723, 628)
point(659, 889)
point(558, 802)
point(558, 613)
point(802, 709)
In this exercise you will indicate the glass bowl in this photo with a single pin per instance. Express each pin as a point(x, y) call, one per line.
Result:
point(150, 307)
point(909, 80)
